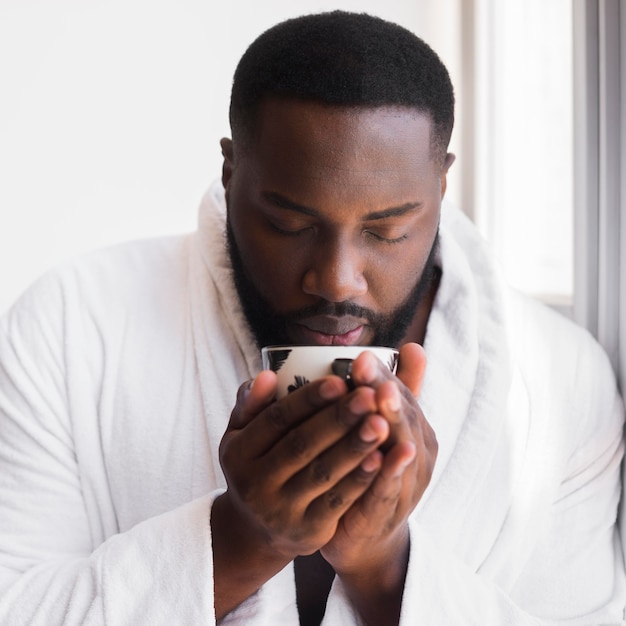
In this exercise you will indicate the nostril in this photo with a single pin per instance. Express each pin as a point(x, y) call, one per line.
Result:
point(335, 276)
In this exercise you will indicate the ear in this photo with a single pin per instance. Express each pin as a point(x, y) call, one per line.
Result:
point(447, 162)
point(229, 162)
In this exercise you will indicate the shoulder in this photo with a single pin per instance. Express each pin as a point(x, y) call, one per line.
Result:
point(535, 328)
point(111, 270)
point(565, 370)
point(97, 288)
point(129, 267)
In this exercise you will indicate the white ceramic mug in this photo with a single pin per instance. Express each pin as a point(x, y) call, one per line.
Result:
point(297, 365)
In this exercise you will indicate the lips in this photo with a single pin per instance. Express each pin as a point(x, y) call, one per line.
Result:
point(331, 330)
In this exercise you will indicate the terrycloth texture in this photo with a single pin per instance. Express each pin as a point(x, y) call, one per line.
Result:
point(117, 377)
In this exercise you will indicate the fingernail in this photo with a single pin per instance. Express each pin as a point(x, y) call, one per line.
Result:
point(371, 462)
point(369, 372)
point(359, 405)
point(248, 388)
point(367, 433)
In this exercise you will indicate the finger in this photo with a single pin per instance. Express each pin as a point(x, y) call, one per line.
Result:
point(398, 459)
point(336, 501)
point(389, 401)
point(381, 500)
point(399, 412)
point(329, 467)
point(412, 367)
point(252, 397)
point(319, 433)
point(395, 400)
point(278, 418)
point(403, 478)
point(368, 369)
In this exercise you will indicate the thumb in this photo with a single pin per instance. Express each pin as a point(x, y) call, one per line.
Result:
point(412, 367)
point(253, 396)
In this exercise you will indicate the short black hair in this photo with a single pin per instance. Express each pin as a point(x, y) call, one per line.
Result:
point(345, 59)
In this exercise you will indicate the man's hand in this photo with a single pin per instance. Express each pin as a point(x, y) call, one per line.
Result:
point(324, 469)
point(369, 551)
point(293, 468)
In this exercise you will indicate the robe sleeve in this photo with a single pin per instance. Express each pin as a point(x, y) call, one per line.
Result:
point(55, 568)
point(159, 572)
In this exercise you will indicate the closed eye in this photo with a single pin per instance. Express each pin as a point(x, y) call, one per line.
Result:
point(383, 239)
point(289, 231)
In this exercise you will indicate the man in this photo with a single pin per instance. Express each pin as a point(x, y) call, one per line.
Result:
point(119, 373)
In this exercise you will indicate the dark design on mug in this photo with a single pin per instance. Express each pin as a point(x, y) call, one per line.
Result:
point(300, 381)
point(276, 358)
point(343, 369)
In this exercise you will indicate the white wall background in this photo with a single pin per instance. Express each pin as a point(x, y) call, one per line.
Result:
point(111, 112)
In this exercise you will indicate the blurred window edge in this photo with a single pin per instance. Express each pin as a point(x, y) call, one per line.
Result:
point(600, 175)
point(541, 136)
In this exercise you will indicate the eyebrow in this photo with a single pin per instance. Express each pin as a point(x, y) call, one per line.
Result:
point(285, 203)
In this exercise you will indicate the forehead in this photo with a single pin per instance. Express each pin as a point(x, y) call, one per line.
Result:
point(343, 146)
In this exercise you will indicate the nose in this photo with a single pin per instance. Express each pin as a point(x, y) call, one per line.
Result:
point(335, 272)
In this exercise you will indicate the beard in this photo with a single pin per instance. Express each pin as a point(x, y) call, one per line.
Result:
point(271, 327)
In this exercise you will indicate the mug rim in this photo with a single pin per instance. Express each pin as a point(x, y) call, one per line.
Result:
point(298, 346)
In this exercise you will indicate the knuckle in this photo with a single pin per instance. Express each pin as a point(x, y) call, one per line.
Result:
point(226, 450)
point(277, 416)
point(320, 473)
point(384, 498)
point(335, 499)
point(247, 494)
point(296, 443)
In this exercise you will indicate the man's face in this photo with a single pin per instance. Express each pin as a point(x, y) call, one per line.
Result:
point(332, 222)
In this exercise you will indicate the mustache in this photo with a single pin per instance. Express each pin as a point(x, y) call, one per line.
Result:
point(335, 309)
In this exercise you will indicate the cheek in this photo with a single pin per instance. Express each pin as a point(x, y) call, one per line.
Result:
point(394, 272)
point(273, 267)
point(391, 280)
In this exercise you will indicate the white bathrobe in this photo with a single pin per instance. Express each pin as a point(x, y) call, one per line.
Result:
point(118, 373)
